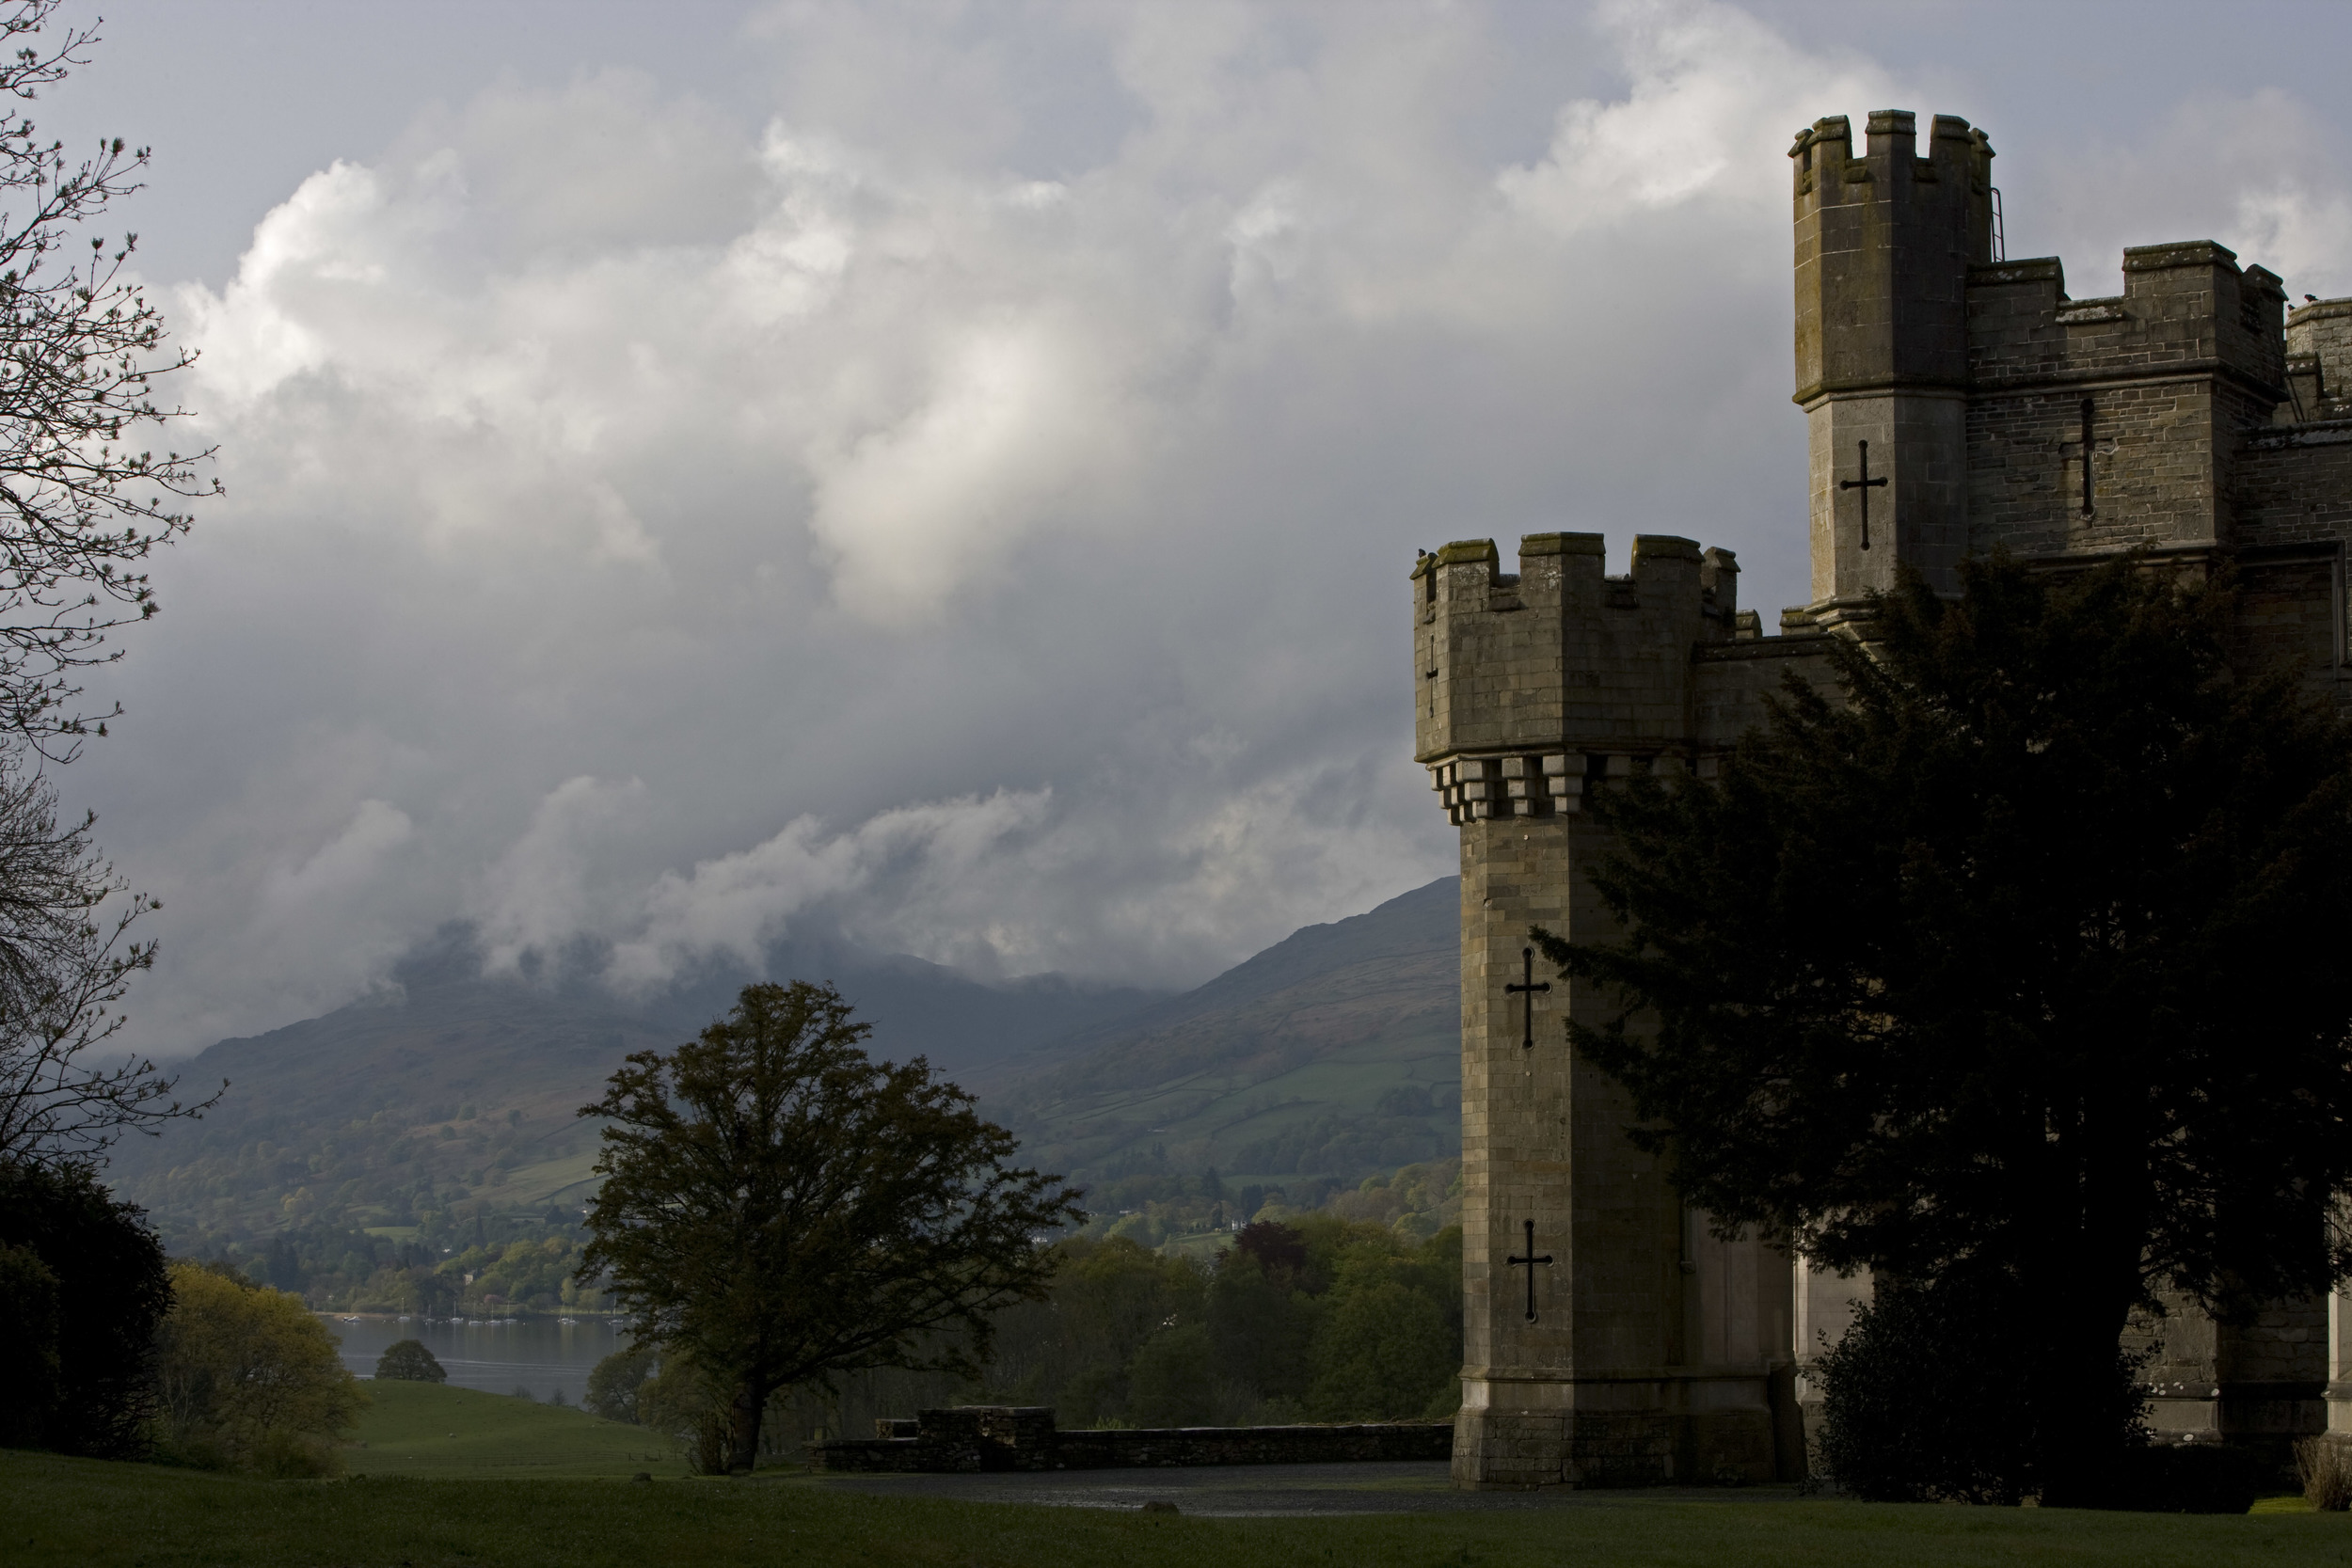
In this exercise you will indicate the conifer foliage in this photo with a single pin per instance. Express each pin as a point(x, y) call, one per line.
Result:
point(2024, 960)
point(83, 1289)
point(777, 1205)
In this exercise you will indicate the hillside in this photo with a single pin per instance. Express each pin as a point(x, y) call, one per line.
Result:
point(456, 1097)
point(1332, 1054)
point(418, 1120)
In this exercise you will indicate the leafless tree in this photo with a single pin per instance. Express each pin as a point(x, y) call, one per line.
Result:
point(66, 958)
point(82, 505)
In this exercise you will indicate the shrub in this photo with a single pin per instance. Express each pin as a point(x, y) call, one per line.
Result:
point(2324, 1466)
point(249, 1380)
point(2193, 1477)
point(409, 1361)
point(685, 1407)
point(1935, 1394)
point(28, 1347)
point(618, 1380)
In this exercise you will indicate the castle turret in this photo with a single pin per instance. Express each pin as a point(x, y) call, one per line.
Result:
point(1608, 1337)
point(1884, 243)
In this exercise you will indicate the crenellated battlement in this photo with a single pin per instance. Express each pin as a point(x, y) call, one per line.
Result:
point(1535, 683)
point(2186, 307)
point(1889, 236)
point(2318, 362)
point(2108, 422)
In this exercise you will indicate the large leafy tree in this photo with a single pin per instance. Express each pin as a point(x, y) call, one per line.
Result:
point(2021, 964)
point(778, 1206)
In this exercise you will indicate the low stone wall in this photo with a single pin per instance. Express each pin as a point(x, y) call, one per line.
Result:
point(1298, 1445)
point(1002, 1437)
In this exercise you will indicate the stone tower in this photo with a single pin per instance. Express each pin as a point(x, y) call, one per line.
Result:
point(1953, 401)
point(1625, 1345)
point(1885, 243)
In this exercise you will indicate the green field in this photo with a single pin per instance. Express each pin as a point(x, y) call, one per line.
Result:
point(78, 1514)
point(426, 1428)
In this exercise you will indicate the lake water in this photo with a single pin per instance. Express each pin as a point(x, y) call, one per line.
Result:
point(542, 1355)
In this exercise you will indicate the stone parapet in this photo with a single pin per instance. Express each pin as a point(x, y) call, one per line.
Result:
point(2319, 362)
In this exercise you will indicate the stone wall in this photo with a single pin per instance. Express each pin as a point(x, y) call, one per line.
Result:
point(2173, 371)
point(996, 1437)
point(2294, 484)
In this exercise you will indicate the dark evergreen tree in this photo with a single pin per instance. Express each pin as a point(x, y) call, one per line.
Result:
point(282, 1267)
point(2025, 959)
point(111, 1293)
point(28, 1347)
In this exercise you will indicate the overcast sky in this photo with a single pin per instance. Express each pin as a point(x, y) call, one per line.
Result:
point(948, 472)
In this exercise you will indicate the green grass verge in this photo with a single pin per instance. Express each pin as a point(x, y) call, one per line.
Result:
point(428, 1429)
point(87, 1514)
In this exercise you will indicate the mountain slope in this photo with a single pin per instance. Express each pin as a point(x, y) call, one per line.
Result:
point(1333, 1053)
point(458, 1095)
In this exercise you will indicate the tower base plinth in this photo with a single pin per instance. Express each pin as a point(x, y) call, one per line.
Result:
point(1676, 1428)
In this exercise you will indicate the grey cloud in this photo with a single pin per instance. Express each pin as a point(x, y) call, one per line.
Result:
point(963, 506)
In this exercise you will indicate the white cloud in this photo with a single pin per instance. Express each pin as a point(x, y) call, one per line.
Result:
point(538, 895)
point(1715, 95)
point(737, 904)
point(341, 868)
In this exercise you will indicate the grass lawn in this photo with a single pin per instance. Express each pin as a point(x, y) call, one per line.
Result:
point(429, 1428)
point(81, 1513)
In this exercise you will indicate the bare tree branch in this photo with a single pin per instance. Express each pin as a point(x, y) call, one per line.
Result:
point(66, 958)
point(81, 504)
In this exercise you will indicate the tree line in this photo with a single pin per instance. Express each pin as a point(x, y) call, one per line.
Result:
point(110, 1349)
point(1315, 1319)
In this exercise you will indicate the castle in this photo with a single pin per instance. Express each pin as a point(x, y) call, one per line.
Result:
point(1954, 400)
